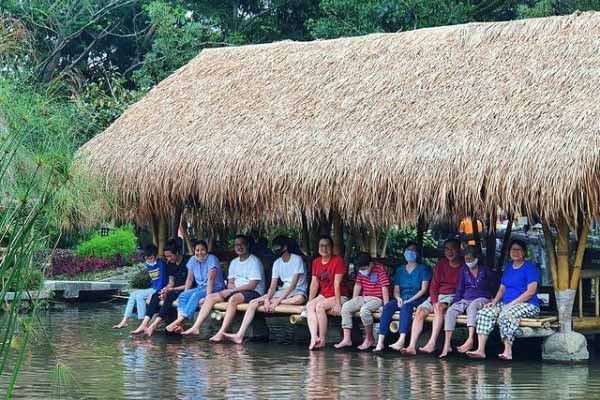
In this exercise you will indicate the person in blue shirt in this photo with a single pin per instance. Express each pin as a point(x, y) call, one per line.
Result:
point(157, 270)
point(411, 285)
point(205, 269)
point(516, 299)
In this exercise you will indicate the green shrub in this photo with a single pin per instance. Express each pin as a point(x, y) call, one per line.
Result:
point(32, 281)
point(120, 242)
point(141, 280)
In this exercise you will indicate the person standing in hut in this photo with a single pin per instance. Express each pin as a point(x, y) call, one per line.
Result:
point(411, 286)
point(177, 272)
point(205, 270)
point(245, 282)
point(441, 293)
point(291, 270)
point(328, 291)
point(476, 286)
point(516, 299)
point(371, 291)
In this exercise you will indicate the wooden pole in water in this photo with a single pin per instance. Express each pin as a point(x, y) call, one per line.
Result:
point(581, 243)
point(562, 255)
point(162, 234)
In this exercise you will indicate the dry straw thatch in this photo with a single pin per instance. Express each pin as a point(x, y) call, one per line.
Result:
point(381, 127)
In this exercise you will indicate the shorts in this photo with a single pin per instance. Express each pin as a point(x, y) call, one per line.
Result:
point(250, 295)
point(442, 298)
point(295, 292)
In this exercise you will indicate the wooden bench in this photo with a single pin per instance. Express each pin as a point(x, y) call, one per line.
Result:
point(528, 327)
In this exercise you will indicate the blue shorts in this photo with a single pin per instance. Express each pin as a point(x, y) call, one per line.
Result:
point(250, 295)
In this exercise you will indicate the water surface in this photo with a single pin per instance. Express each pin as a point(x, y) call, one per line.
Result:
point(107, 364)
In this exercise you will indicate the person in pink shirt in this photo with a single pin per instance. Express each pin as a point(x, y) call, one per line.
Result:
point(441, 293)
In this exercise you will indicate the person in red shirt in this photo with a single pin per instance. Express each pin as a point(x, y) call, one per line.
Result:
point(441, 293)
point(328, 273)
point(371, 291)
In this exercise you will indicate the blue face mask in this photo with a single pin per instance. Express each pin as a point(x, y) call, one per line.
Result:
point(410, 255)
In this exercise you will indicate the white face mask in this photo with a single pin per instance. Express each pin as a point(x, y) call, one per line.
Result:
point(151, 264)
point(363, 272)
point(472, 264)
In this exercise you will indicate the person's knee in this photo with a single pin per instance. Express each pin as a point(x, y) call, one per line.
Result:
point(321, 308)
point(365, 312)
point(422, 313)
point(440, 308)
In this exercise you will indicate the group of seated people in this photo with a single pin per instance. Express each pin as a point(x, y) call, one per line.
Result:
point(459, 284)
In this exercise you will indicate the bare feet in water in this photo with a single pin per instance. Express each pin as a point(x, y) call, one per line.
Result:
point(466, 346)
point(235, 338)
point(409, 351)
point(366, 345)
point(428, 348)
point(218, 337)
point(191, 332)
point(342, 344)
point(122, 324)
point(475, 354)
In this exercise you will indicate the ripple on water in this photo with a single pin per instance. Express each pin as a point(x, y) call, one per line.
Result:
point(103, 363)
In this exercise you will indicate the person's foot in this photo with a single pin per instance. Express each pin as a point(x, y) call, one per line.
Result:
point(234, 337)
point(172, 327)
point(408, 351)
point(218, 337)
point(191, 332)
point(122, 324)
point(428, 348)
point(138, 330)
point(397, 346)
point(445, 353)
point(475, 354)
point(319, 343)
point(148, 331)
point(505, 356)
point(466, 346)
point(343, 343)
point(378, 349)
point(366, 345)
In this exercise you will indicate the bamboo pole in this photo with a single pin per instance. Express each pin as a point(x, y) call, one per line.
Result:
point(162, 235)
point(551, 252)
point(476, 233)
point(421, 227)
point(505, 241)
point(491, 240)
point(372, 243)
point(154, 230)
point(305, 234)
point(385, 243)
point(562, 255)
point(581, 243)
point(338, 234)
point(186, 237)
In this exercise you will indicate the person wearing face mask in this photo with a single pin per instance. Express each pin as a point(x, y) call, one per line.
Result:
point(476, 286)
point(290, 269)
point(371, 291)
point(411, 283)
point(157, 270)
point(441, 293)
point(205, 270)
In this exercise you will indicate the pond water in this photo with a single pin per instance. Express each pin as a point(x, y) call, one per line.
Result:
point(106, 364)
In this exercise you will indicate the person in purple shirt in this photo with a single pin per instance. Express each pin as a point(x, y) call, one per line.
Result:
point(516, 299)
point(476, 286)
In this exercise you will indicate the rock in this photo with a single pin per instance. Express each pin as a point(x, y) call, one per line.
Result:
point(565, 347)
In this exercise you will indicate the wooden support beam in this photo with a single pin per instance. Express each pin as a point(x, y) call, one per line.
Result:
point(421, 228)
point(372, 242)
point(562, 255)
point(338, 234)
point(581, 243)
point(551, 252)
point(154, 230)
point(162, 234)
point(505, 241)
point(490, 246)
point(305, 234)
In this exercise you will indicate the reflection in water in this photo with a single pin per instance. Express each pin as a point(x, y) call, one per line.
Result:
point(108, 364)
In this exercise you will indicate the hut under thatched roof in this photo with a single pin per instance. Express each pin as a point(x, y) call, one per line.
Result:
point(381, 127)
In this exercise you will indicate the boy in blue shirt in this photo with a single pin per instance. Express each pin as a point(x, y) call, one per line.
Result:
point(157, 270)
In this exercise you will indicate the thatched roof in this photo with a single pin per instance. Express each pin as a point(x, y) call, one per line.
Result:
point(381, 127)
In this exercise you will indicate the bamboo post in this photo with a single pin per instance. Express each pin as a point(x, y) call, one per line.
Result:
point(338, 234)
point(476, 233)
point(562, 255)
point(491, 241)
point(372, 243)
point(551, 252)
point(505, 241)
point(385, 243)
point(305, 233)
point(154, 230)
point(421, 227)
point(186, 237)
point(162, 235)
point(581, 243)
